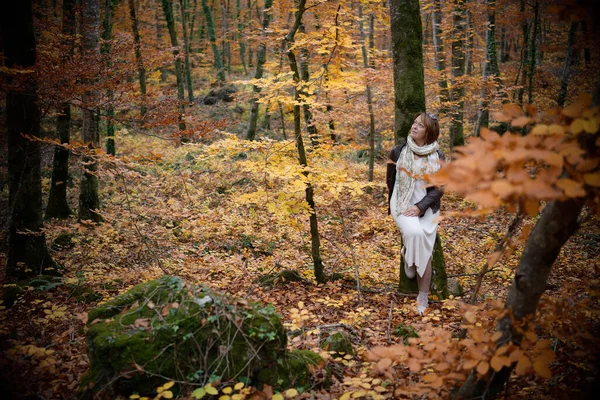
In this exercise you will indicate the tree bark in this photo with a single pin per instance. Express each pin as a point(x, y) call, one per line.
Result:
point(212, 37)
point(58, 206)
point(26, 241)
point(105, 49)
point(532, 50)
point(137, 45)
point(564, 81)
point(440, 58)
point(240, 28)
point(168, 10)
point(439, 278)
point(366, 65)
point(89, 200)
point(260, 62)
point(522, 71)
point(490, 70)
point(557, 223)
point(183, 5)
point(409, 81)
point(311, 128)
point(314, 229)
point(457, 93)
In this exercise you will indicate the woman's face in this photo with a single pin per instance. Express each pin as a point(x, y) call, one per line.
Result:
point(418, 131)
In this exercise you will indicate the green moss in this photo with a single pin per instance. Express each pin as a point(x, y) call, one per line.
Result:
point(292, 370)
point(405, 331)
point(179, 331)
point(338, 343)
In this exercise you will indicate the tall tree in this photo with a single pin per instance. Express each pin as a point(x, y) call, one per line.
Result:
point(58, 206)
point(532, 50)
point(260, 62)
point(137, 43)
point(240, 31)
point(184, 5)
point(366, 65)
point(105, 49)
point(459, 62)
point(569, 53)
point(490, 70)
point(409, 81)
point(212, 37)
point(314, 228)
point(26, 240)
point(522, 71)
point(89, 201)
point(168, 10)
point(440, 54)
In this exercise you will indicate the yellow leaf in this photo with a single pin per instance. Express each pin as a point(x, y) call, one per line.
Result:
point(168, 385)
point(556, 129)
point(238, 385)
point(277, 396)
point(134, 396)
point(591, 125)
point(592, 179)
point(541, 368)
point(237, 396)
point(167, 394)
point(226, 390)
point(577, 126)
point(573, 110)
point(346, 396)
point(211, 390)
point(291, 393)
point(225, 397)
point(199, 393)
point(540, 129)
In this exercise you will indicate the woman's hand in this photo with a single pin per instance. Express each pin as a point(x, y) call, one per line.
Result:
point(412, 211)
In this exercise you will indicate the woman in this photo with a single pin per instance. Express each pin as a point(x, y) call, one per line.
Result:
point(413, 205)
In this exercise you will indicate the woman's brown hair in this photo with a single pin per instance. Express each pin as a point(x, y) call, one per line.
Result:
point(432, 126)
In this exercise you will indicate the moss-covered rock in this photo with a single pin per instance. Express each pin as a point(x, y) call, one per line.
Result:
point(292, 370)
point(339, 343)
point(285, 276)
point(178, 331)
point(405, 332)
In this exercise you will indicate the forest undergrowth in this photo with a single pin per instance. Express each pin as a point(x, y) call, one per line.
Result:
point(226, 214)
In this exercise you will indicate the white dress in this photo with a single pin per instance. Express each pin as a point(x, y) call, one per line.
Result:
point(418, 233)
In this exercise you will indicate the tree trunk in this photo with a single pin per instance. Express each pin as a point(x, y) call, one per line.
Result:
point(525, 26)
point(532, 49)
point(439, 278)
point(138, 58)
point(458, 71)
point(311, 128)
point(409, 81)
point(212, 37)
point(438, 47)
point(183, 5)
point(89, 200)
point(109, 6)
point(490, 70)
point(262, 55)
point(26, 241)
point(240, 27)
point(557, 223)
point(564, 81)
point(314, 229)
point(58, 206)
point(366, 65)
point(168, 10)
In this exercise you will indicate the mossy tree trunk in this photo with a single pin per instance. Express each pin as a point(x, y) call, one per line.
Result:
point(138, 57)
point(105, 48)
point(490, 70)
point(26, 240)
point(89, 200)
point(314, 229)
point(184, 5)
point(212, 37)
point(168, 11)
point(459, 62)
point(569, 53)
point(58, 206)
point(367, 64)
point(260, 62)
point(532, 51)
point(440, 54)
point(439, 278)
point(522, 71)
point(240, 30)
point(409, 81)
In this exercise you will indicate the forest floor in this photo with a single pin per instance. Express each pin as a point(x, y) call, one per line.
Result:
point(181, 211)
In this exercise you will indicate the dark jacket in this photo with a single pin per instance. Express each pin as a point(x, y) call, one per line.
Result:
point(434, 193)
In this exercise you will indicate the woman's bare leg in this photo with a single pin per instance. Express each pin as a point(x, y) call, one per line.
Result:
point(424, 282)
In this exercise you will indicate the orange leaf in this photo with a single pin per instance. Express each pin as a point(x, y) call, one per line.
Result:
point(483, 367)
point(540, 129)
point(470, 317)
point(512, 110)
point(470, 364)
point(520, 122)
point(383, 364)
point(531, 207)
point(592, 179)
point(541, 368)
point(571, 188)
point(523, 365)
point(498, 362)
point(573, 110)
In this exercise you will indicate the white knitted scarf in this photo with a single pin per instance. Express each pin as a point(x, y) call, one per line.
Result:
point(405, 182)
